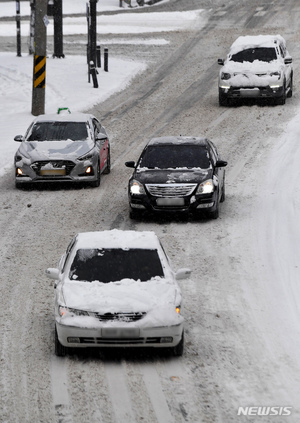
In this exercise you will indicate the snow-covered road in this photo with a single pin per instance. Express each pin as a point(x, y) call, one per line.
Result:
point(242, 303)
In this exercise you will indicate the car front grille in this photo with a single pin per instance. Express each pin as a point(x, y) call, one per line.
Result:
point(170, 190)
point(121, 317)
point(120, 341)
point(264, 74)
point(53, 164)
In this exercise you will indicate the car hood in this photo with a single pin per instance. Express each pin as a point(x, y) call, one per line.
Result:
point(125, 296)
point(254, 74)
point(169, 176)
point(257, 67)
point(49, 150)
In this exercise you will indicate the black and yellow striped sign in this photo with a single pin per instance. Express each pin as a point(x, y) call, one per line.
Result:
point(39, 76)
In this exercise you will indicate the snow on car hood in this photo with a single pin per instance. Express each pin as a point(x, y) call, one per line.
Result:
point(165, 176)
point(45, 150)
point(124, 296)
point(257, 73)
point(156, 297)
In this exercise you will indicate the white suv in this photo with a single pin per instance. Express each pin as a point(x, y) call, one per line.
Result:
point(256, 67)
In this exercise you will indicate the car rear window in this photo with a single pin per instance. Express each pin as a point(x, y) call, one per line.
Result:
point(111, 265)
point(175, 156)
point(58, 131)
point(264, 54)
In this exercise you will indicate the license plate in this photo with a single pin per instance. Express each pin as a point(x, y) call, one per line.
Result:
point(120, 332)
point(170, 201)
point(250, 92)
point(50, 172)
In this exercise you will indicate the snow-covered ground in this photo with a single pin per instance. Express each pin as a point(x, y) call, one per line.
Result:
point(241, 306)
point(62, 75)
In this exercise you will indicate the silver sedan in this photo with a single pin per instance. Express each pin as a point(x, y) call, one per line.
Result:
point(117, 289)
point(72, 147)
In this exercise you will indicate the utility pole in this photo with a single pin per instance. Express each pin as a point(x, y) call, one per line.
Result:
point(18, 23)
point(32, 26)
point(39, 61)
point(93, 30)
point(58, 29)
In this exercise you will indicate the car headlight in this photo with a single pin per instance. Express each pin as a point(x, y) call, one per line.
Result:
point(66, 311)
point(206, 187)
point(136, 187)
point(277, 73)
point(225, 76)
point(87, 156)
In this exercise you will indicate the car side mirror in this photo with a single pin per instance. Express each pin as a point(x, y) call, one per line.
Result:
point(52, 273)
point(288, 60)
point(221, 163)
point(101, 137)
point(221, 62)
point(19, 138)
point(130, 164)
point(183, 274)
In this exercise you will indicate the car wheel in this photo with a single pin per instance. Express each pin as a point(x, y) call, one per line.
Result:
point(96, 183)
point(60, 350)
point(281, 100)
point(223, 100)
point(290, 92)
point(134, 214)
point(222, 199)
point(178, 350)
point(215, 213)
point(107, 169)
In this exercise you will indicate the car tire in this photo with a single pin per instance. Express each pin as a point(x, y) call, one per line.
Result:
point(178, 350)
point(222, 199)
point(281, 100)
point(223, 100)
point(60, 350)
point(97, 182)
point(290, 92)
point(215, 213)
point(107, 169)
point(134, 214)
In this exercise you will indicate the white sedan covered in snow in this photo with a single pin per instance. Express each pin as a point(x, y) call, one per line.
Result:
point(117, 289)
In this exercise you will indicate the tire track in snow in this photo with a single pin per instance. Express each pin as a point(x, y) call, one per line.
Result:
point(118, 388)
point(156, 394)
point(59, 382)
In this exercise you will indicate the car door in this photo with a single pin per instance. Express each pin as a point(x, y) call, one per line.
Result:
point(102, 145)
point(287, 66)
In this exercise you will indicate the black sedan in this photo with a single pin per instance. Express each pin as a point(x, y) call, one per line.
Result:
point(177, 174)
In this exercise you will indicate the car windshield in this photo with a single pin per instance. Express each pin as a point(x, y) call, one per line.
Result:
point(264, 54)
point(174, 156)
point(112, 265)
point(58, 131)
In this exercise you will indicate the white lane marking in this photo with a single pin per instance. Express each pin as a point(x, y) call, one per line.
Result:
point(119, 393)
point(59, 381)
point(157, 397)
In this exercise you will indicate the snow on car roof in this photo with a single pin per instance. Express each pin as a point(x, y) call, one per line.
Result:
point(252, 41)
point(65, 117)
point(177, 140)
point(117, 238)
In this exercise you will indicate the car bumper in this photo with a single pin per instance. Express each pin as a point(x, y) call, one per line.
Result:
point(192, 204)
point(73, 172)
point(251, 92)
point(158, 337)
